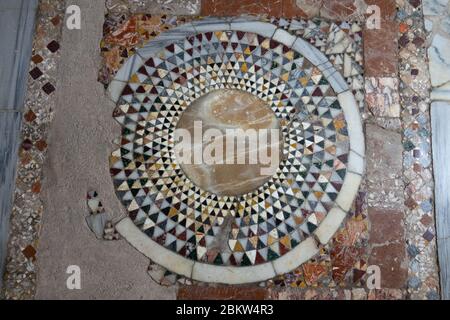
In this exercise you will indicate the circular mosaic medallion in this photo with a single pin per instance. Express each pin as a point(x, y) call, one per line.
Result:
point(195, 223)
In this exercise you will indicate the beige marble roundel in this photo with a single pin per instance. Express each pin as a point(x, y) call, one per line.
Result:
point(221, 113)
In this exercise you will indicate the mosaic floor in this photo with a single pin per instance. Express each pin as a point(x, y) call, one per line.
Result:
point(270, 230)
point(352, 190)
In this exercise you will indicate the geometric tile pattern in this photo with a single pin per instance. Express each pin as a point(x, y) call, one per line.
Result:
point(340, 42)
point(239, 231)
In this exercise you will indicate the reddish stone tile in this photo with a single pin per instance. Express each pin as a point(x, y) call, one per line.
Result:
point(37, 59)
point(388, 8)
point(36, 187)
point(380, 50)
point(313, 272)
point(127, 35)
point(403, 27)
point(301, 8)
point(391, 260)
point(30, 116)
point(29, 252)
point(41, 145)
point(56, 21)
point(386, 225)
point(221, 293)
point(236, 7)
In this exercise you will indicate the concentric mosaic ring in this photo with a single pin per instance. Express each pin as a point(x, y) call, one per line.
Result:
point(277, 227)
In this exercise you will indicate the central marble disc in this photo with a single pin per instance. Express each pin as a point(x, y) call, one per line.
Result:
point(223, 112)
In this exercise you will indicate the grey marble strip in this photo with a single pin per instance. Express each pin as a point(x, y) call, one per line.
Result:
point(440, 118)
point(17, 20)
point(8, 110)
point(9, 141)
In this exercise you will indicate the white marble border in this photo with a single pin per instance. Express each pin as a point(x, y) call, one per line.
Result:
point(309, 247)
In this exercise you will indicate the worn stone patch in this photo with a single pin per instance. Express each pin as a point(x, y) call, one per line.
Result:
point(335, 10)
point(388, 8)
point(124, 33)
point(391, 260)
point(386, 226)
point(382, 97)
point(384, 168)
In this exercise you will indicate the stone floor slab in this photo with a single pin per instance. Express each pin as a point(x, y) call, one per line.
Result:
point(440, 117)
point(17, 25)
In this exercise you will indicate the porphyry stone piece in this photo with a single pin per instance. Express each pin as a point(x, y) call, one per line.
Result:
point(380, 50)
point(391, 260)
